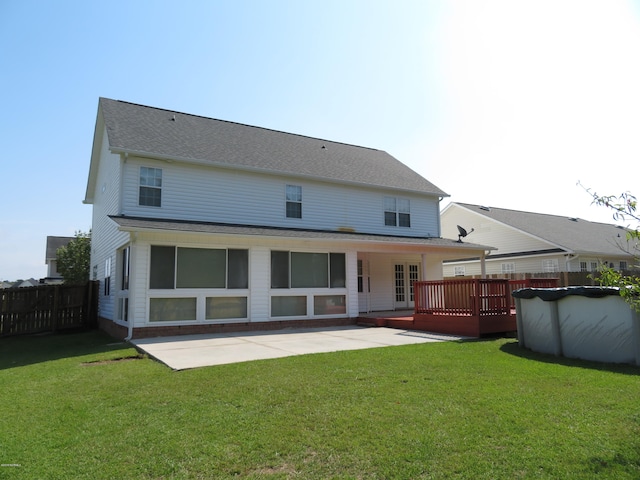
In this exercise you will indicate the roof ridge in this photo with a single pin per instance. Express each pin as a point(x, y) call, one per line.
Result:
point(241, 124)
point(527, 212)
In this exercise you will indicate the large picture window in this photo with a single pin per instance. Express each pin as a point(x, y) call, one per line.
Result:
point(307, 270)
point(150, 194)
point(177, 267)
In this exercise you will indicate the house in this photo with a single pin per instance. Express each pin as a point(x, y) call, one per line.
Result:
point(534, 243)
point(53, 244)
point(203, 225)
point(31, 282)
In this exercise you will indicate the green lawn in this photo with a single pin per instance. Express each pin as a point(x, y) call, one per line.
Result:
point(482, 409)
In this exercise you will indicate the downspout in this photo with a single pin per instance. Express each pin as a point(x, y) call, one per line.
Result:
point(132, 241)
point(123, 157)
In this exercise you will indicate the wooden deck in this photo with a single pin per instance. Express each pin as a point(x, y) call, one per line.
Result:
point(469, 307)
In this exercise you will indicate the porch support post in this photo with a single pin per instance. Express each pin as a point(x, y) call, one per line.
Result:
point(423, 266)
point(483, 267)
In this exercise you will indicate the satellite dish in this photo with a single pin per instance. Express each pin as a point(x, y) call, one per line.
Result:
point(462, 233)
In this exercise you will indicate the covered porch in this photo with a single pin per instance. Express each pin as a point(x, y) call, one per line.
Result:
point(469, 307)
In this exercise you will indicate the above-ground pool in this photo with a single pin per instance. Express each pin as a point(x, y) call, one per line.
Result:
point(590, 323)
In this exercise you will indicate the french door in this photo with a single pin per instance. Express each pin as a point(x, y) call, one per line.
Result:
point(405, 274)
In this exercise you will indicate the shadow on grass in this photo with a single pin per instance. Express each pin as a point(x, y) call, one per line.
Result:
point(513, 348)
point(24, 350)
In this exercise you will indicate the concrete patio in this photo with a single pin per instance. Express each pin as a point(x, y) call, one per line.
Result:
point(191, 351)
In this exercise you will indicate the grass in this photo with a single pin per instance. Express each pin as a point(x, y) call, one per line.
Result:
point(481, 410)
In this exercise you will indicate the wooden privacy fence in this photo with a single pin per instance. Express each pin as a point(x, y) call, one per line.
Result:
point(48, 308)
point(530, 283)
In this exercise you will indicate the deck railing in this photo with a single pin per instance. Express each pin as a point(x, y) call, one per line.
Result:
point(478, 297)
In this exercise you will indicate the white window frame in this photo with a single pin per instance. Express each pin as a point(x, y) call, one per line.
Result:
point(459, 271)
point(401, 210)
point(293, 197)
point(150, 178)
point(508, 267)
point(550, 265)
point(107, 277)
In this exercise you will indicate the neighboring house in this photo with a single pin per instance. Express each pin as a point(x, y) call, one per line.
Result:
point(199, 223)
point(32, 282)
point(53, 244)
point(534, 243)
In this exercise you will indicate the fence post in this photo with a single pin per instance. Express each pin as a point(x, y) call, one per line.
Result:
point(54, 311)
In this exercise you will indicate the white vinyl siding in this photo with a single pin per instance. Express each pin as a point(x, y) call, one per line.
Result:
point(489, 232)
point(211, 194)
point(258, 296)
point(105, 236)
point(531, 264)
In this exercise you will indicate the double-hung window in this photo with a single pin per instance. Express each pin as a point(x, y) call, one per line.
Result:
point(397, 212)
point(294, 201)
point(150, 193)
point(508, 268)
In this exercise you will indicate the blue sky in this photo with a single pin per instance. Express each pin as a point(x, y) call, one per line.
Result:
point(501, 103)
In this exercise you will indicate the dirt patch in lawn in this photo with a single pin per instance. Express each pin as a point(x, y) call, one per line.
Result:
point(113, 360)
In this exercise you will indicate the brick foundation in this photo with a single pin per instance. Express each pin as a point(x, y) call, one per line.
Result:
point(113, 329)
point(121, 332)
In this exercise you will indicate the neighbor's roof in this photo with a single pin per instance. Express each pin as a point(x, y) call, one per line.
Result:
point(572, 234)
point(159, 133)
point(163, 225)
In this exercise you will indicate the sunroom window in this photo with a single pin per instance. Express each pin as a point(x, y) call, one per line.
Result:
point(307, 270)
point(177, 267)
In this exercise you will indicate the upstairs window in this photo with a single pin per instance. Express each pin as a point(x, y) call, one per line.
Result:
point(397, 212)
point(150, 194)
point(294, 201)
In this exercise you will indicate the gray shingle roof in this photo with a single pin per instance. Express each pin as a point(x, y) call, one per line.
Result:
point(154, 224)
point(572, 234)
point(167, 134)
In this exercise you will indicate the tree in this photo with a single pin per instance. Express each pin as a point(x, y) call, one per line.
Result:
point(73, 261)
point(624, 207)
